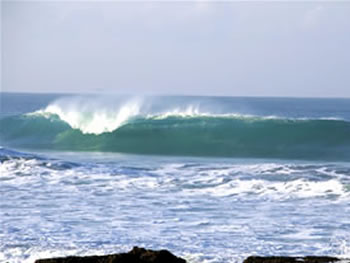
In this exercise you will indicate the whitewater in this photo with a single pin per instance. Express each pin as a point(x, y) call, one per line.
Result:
point(212, 179)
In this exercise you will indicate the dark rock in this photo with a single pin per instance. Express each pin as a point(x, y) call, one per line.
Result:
point(310, 259)
point(136, 255)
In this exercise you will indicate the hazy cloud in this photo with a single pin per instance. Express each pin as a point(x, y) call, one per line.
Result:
point(313, 17)
point(205, 48)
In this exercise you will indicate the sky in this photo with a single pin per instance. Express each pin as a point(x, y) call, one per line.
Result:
point(245, 48)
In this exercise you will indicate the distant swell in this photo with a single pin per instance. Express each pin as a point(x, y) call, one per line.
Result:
point(189, 135)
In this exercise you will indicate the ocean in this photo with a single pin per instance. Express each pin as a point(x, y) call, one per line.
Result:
point(212, 179)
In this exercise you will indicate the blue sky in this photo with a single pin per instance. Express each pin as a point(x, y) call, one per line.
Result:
point(255, 48)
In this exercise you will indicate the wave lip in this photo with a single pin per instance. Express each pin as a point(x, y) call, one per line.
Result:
point(97, 116)
point(95, 121)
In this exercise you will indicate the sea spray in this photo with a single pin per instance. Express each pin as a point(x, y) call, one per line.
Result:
point(91, 117)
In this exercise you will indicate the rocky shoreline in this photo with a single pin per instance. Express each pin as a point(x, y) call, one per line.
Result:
point(141, 255)
point(136, 255)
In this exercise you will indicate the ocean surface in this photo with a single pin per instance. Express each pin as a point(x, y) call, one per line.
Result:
point(212, 179)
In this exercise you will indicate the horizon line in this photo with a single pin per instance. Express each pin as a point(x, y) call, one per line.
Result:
point(172, 95)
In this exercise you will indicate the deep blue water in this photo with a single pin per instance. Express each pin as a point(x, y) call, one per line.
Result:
point(213, 179)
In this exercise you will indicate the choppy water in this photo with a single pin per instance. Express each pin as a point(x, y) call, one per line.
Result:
point(56, 203)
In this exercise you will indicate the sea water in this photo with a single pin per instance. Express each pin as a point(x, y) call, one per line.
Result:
point(212, 179)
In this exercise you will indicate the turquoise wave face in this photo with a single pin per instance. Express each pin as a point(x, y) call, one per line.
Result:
point(212, 136)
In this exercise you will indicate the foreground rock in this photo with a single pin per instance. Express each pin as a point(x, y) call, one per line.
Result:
point(141, 255)
point(136, 255)
point(293, 260)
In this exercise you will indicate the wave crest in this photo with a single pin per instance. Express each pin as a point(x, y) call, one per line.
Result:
point(137, 127)
point(94, 116)
point(92, 119)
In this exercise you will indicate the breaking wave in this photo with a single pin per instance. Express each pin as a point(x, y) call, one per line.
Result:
point(187, 131)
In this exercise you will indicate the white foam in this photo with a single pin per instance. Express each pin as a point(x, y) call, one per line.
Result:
point(178, 200)
point(193, 111)
point(24, 255)
point(341, 246)
point(276, 190)
point(94, 121)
